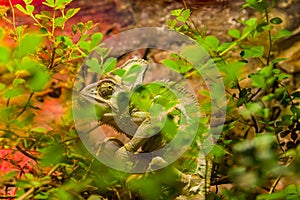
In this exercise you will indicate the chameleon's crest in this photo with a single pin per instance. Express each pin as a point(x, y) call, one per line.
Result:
point(135, 72)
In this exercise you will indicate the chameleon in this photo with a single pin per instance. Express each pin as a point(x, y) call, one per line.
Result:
point(149, 114)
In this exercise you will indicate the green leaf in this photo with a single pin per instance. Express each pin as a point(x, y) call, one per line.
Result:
point(171, 23)
point(176, 12)
point(39, 76)
point(2, 86)
point(296, 95)
point(84, 45)
point(283, 194)
point(21, 30)
point(61, 3)
point(71, 12)
point(6, 114)
point(258, 80)
point(132, 74)
point(74, 29)
point(2, 33)
point(262, 27)
point(14, 92)
point(28, 1)
point(212, 42)
point(42, 195)
point(53, 154)
point(5, 54)
point(29, 176)
point(119, 72)
point(95, 39)
point(277, 60)
point(276, 20)
point(266, 71)
point(241, 100)
point(39, 129)
point(59, 52)
point(80, 26)
point(268, 97)
point(243, 93)
point(93, 65)
point(171, 64)
point(254, 52)
point(22, 9)
point(251, 22)
point(282, 33)
point(59, 21)
point(232, 71)
point(218, 151)
point(185, 68)
point(224, 46)
point(29, 44)
point(50, 3)
point(30, 9)
point(18, 81)
point(46, 14)
point(66, 40)
point(184, 15)
point(109, 64)
point(44, 30)
point(258, 5)
point(234, 33)
point(295, 110)
point(279, 92)
point(283, 76)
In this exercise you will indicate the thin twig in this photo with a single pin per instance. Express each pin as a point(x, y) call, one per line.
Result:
point(26, 153)
point(8, 101)
point(273, 187)
point(8, 197)
point(26, 105)
point(269, 37)
point(13, 18)
point(27, 194)
point(253, 95)
point(51, 65)
point(255, 124)
point(53, 169)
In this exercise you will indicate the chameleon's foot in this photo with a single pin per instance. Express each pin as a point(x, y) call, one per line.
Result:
point(102, 146)
point(157, 163)
point(123, 157)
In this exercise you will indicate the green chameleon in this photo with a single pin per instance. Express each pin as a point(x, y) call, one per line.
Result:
point(151, 115)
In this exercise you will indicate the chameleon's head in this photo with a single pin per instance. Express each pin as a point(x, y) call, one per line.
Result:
point(100, 93)
point(105, 92)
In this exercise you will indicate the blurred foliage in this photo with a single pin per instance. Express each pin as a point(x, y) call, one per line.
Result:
point(43, 158)
point(261, 104)
point(41, 154)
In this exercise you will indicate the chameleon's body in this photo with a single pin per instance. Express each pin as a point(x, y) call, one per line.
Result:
point(150, 116)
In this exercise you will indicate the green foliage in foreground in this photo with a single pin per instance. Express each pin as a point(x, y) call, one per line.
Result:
point(261, 103)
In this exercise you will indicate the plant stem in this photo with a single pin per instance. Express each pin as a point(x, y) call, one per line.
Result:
point(13, 18)
point(272, 189)
point(26, 105)
point(27, 194)
point(269, 37)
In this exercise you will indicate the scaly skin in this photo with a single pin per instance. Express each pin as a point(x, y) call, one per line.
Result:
point(150, 116)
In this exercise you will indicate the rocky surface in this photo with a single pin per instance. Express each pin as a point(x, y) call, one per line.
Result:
point(217, 16)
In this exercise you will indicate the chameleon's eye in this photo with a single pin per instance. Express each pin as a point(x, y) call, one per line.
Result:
point(110, 88)
point(105, 89)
